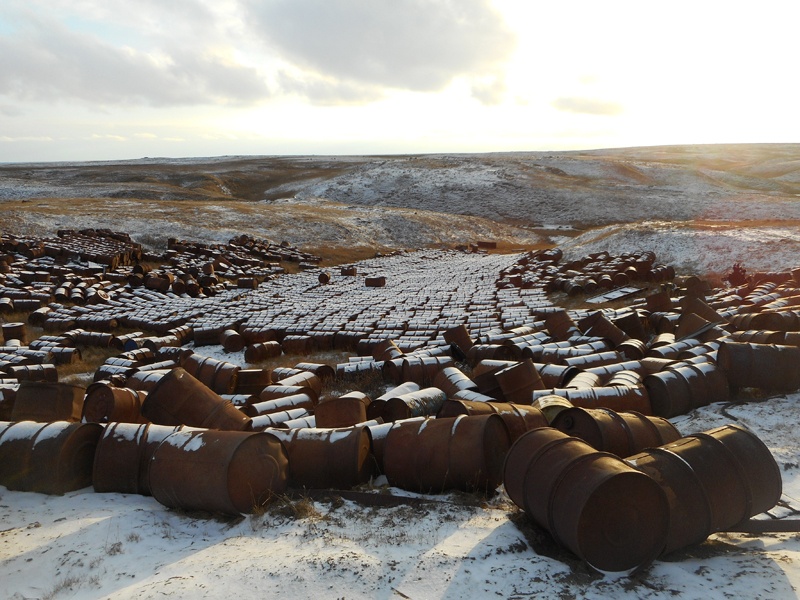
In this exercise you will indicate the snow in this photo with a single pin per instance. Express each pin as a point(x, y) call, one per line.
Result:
point(448, 546)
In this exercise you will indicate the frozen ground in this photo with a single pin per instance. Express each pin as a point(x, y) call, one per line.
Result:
point(87, 545)
point(699, 208)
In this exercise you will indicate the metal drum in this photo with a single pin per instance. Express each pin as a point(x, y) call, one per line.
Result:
point(230, 472)
point(51, 458)
point(328, 458)
point(435, 455)
point(48, 401)
point(606, 512)
point(180, 399)
point(108, 404)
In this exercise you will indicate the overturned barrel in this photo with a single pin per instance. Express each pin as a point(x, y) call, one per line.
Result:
point(435, 455)
point(230, 472)
point(50, 458)
point(122, 461)
point(48, 401)
point(622, 434)
point(714, 480)
point(180, 399)
point(327, 458)
point(765, 366)
point(609, 514)
point(107, 404)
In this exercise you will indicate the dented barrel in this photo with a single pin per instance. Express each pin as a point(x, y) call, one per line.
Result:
point(230, 472)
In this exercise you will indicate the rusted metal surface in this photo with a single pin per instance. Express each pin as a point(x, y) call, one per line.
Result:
point(328, 458)
point(765, 366)
point(435, 455)
point(618, 398)
point(106, 404)
point(50, 458)
point(344, 411)
point(281, 419)
point(219, 471)
point(518, 418)
point(714, 480)
point(606, 512)
point(518, 382)
point(47, 402)
point(122, 460)
point(281, 403)
point(682, 387)
point(180, 399)
point(426, 401)
point(622, 434)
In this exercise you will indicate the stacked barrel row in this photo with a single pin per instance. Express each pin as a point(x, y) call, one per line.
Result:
point(619, 512)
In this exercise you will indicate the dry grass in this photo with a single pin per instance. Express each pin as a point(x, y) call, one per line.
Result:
point(342, 255)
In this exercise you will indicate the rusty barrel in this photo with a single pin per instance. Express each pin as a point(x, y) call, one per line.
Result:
point(518, 382)
point(303, 379)
point(14, 331)
point(714, 480)
point(298, 344)
point(273, 392)
point(262, 351)
point(519, 418)
point(344, 411)
point(682, 387)
point(37, 372)
point(47, 401)
point(321, 370)
point(108, 404)
point(379, 431)
point(611, 515)
point(218, 375)
point(123, 456)
point(519, 455)
point(377, 408)
point(328, 458)
point(618, 398)
point(229, 472)
point(765, 366)
point(459, 336)
point(280, 419)
point(180, 399)
point(50, 458)
point(252, 381)
point(423, 369)
point(424, 402)
point(551, 405)
point(622, 434)
point(434, 455)
point(280, 404)
point(451, 380)
point(231, 340)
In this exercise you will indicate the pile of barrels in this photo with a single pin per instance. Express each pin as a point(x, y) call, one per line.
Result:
point(481, 381)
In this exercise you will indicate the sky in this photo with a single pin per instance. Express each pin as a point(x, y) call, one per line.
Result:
point(121, 79)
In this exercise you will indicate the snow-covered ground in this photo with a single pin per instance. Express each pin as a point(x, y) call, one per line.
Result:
point(87, 545)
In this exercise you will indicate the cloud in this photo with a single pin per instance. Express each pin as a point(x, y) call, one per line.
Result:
point(587, 106)
point(325, 91)
point(44, 60)
point(9, 110)
point(489, 92)
point(418, 45)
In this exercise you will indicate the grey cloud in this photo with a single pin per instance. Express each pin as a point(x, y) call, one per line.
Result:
point(588, 106)
point(418, 45)
point(489, 92)
point(9, 110)
point(328, 92)
point(45, 61)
